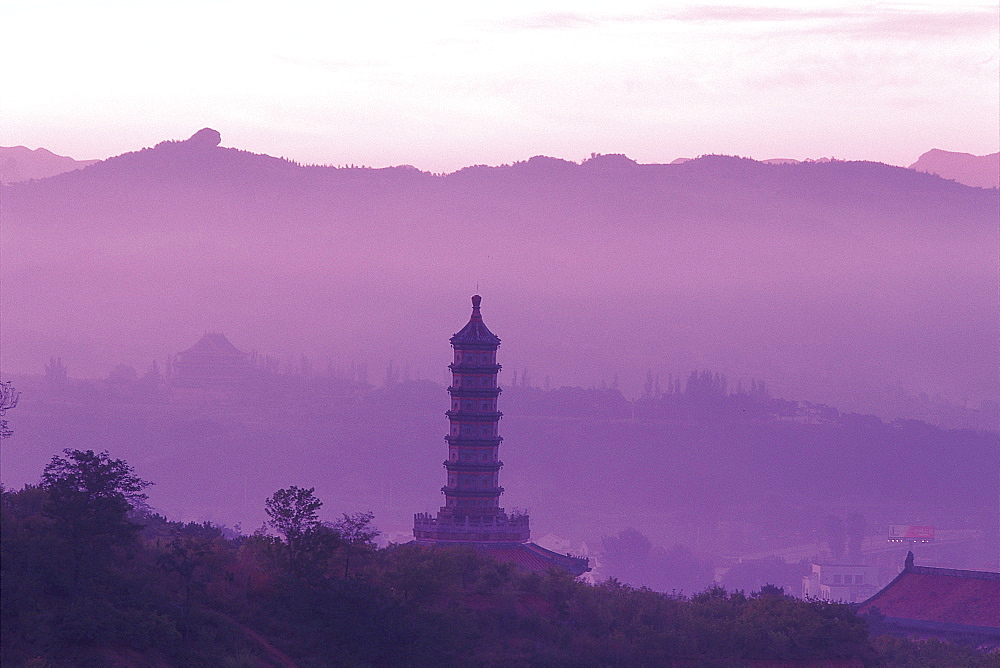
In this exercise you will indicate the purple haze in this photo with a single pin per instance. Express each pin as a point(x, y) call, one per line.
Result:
point(854, 284)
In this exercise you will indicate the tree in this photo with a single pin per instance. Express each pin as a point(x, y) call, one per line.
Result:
point(186, 554)
point(835, 534)
point(357, 534)
point(8, 400)
point(89, 499)
point(627, 554)
point(292, 513)
point(855, 529)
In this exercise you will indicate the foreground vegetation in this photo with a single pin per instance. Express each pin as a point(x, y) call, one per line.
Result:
point(90, 579)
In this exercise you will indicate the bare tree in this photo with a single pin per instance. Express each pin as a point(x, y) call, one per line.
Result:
point(8, 400)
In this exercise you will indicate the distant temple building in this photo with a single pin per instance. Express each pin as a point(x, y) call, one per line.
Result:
point(212, 369)
point(943, 603)
point(472, 514)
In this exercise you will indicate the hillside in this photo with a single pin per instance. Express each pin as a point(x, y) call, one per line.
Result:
point(19, 163)
point(830, 280)
point(981, 171)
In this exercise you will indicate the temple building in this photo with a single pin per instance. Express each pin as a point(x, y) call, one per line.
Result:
point(472, 514)
point(943, 603)
point(212, 369)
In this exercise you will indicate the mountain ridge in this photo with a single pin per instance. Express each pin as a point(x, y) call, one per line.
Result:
point(980, 171)
point(20, 163)
point(720, 262)
point(207, 140)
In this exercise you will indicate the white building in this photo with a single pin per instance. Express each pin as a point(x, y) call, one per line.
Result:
point(842, 583)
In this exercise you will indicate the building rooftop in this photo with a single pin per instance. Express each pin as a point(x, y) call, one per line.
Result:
point(213, 344)
point(940, 596)
point(528, 556)
point(476, 333)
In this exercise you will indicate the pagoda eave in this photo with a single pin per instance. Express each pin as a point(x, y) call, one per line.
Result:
point(473, 467)
point(475, 392)
point(462, 367)
point(474, 415)
point(477, 492)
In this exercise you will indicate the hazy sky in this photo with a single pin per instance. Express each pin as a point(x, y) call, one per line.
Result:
point(441, 85)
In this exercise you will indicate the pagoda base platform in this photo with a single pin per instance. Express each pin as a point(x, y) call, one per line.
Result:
point(498, 528)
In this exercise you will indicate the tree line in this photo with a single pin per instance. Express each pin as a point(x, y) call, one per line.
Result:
point(92, 576)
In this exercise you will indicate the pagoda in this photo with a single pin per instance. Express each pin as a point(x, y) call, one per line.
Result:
point(472, 511)
point(472, 514)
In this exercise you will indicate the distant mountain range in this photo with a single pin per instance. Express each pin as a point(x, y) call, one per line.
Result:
point(18, 163)
point(826, 279)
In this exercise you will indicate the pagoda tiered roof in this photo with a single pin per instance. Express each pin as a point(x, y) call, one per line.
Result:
point(476, 333)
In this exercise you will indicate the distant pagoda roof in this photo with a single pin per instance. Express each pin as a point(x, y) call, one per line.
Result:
point(214, 344)
point(476, 333)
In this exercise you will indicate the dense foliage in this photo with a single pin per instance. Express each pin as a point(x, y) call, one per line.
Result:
point(90, 579)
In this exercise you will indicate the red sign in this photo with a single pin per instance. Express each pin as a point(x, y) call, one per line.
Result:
point(899, 533)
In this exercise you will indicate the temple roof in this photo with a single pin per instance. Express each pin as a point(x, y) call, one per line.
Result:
point(213, 344)
point(942, 596)
point(526, 556)
point(476, 333)
point(535, 558)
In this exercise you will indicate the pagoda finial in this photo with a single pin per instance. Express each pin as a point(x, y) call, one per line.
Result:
point(475, 333)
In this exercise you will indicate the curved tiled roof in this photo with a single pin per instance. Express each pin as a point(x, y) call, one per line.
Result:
point(475, 333)
point(535, 558)
point(942, 596)
point(526, 556)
